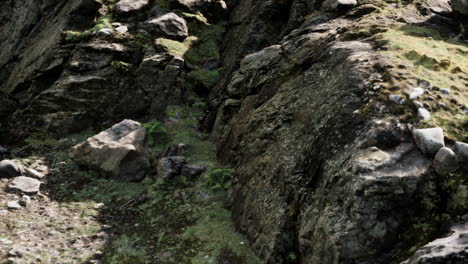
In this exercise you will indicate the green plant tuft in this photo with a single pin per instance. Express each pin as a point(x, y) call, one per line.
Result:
point(219, 179)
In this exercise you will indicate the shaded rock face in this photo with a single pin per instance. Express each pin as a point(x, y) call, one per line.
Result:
point(316, 178)
point(116, 152)
point(63, 86)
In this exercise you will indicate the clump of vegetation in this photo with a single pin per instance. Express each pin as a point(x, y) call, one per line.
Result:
point(77, 36)
point(205, 78)
point(121, 65)
point(156, 133)
point(219, 179)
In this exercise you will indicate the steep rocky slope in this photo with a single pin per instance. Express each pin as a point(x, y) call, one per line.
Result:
point(314, 104)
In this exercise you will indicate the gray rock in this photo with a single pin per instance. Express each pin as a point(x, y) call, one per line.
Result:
point(460, 6)
point(169, 24)
point(429, 140)
point(25, 185)
point(396, 98)
point(449, 249)
point(13, 205)
point(170, 167)
point(174, 150)
point(117, 152)
point(193, 170)
point(216, 9)
point(25, 200)
point(129, 6)
point(4, 152)
point(9, 168)
point(331, 5)
point(104, 32)
point(445, 161)
point(423, 114)
point(461, 150)
point(425, 84)
point(445, 91)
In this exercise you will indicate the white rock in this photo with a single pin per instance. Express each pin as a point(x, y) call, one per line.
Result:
point(34, 173)
point(416, 93)
point(429, 140)
point(122, 29)
point(331, 5)
point(423, 114)
point(13, 205)
point(127, 6)
point(25, 185)
point(445, 161)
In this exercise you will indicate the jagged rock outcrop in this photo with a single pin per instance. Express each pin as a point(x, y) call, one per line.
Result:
point(319, 179)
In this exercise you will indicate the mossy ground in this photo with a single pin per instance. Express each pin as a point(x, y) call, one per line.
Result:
point(419, 53)
point(153, 221)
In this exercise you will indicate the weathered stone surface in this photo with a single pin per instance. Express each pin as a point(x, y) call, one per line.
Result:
point(193, 170)
point(461, 149)
point(167, 25)
point(445, 161)
point(429, 140)
point(116, 152)
point(169, 167)
point(451, 249)
point(24, 185)
point(9, 168)
point(460, 6)
point(213, 9)
point(331, 5)
point(34, 173)
point(129, 6)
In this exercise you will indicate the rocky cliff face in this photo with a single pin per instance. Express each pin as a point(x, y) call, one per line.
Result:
point(312, 102)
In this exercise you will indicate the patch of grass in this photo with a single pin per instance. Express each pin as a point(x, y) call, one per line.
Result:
point(156, 133)
point(205, 78)
point(434, 57)
point(216, 231)
point(77, 36)
point(108, 190)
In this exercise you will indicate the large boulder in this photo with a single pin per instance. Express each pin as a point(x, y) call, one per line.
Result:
point(117, 152)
